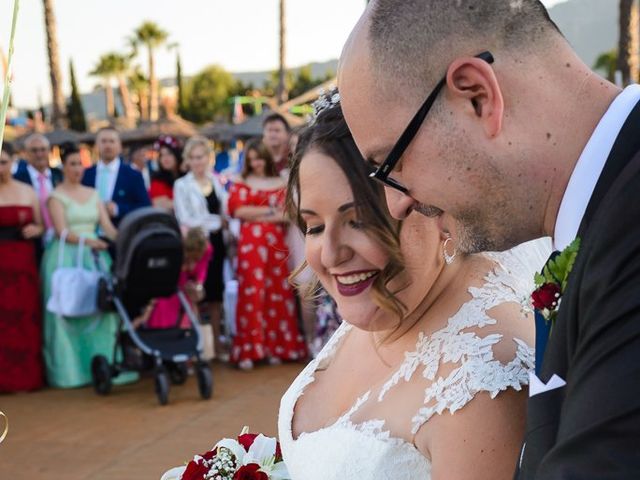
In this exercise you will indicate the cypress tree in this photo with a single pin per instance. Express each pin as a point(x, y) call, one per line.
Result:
point(75, 111)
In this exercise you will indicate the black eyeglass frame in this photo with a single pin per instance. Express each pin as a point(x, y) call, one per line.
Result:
point(382, 172)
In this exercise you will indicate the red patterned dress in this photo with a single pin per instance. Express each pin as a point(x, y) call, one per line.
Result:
point(266, 314)
point(21, 366)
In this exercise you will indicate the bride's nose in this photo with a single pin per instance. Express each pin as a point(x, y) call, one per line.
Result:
point(335, 250)
point(400, 205)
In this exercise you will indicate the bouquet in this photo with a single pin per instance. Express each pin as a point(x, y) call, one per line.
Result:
point(250, 457)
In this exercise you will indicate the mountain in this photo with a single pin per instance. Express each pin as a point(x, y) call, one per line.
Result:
point(591, 26)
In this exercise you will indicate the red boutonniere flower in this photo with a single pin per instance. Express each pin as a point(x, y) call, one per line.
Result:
point(552, 282)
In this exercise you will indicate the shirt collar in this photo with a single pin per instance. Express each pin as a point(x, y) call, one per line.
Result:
point(112, 166)
point(35, 173)
point(590, 165)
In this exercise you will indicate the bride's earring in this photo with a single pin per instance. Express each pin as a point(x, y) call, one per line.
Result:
point(448, 259)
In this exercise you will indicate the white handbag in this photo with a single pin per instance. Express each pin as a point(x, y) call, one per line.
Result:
point(74, 290)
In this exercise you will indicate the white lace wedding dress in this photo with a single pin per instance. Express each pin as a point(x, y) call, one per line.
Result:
point(444, 372)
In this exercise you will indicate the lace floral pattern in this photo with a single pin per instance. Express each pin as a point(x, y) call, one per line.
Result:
point(366, 449)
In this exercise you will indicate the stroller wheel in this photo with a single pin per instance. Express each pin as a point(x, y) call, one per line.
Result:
point(101, 375)
point(178, 373)
point(162, 386)
point(205, 380)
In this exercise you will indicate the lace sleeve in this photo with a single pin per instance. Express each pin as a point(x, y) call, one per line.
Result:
point(481, 348)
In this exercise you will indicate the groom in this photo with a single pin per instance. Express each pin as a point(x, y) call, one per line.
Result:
point(517, 138)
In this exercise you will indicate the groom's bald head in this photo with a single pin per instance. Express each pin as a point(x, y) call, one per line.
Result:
point(412, 41)
point(500, 140)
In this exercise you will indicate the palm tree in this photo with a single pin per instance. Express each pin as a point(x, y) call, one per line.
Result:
point(629, 41)
point(55, 75)
point(282, 89)
point(607, 62)
point(151, 36)
point(121, 66)
point(139, 85)
point(106, 69)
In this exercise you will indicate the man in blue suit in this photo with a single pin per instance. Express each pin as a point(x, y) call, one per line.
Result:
point(120, 187)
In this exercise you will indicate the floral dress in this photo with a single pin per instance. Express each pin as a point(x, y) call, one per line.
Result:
point(266, 314)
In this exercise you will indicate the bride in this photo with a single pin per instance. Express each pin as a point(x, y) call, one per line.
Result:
point(424, 379)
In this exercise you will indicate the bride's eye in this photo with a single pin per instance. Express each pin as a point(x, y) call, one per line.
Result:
point(356, 225)
point(314, 230)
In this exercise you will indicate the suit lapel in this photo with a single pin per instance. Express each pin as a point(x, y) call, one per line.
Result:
point(625, 147)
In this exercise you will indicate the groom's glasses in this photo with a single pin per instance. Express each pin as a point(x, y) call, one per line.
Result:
point(382, 172)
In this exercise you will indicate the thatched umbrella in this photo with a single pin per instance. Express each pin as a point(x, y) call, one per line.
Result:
point(252, 127)
point(217, 131)
point(55, 137)
point(148, 132)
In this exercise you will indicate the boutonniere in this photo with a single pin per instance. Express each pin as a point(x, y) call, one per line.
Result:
point(552, 282)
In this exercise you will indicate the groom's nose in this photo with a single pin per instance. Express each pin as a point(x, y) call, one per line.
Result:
point(400, 205)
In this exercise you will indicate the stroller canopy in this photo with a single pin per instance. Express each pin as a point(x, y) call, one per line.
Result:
point(147, 218)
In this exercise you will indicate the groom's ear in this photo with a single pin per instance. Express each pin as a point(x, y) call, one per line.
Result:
point(474, 81)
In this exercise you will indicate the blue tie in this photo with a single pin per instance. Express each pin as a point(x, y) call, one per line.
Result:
point(543, 330)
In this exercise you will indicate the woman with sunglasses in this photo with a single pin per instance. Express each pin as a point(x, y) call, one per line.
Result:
point(426, 378)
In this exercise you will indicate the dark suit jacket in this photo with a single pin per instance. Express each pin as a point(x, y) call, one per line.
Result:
point(129, 192)
point(22, 175)
point(590, 429)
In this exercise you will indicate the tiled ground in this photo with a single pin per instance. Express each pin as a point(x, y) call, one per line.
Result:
point(76, 435)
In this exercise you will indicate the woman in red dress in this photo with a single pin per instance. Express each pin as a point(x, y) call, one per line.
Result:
point(169, 169)
point(266, 315)
point(21, 367)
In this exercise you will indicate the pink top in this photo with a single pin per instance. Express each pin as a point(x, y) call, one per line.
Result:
point(166, 311)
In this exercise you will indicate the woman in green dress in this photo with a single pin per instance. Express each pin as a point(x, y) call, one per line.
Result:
point(70, 344)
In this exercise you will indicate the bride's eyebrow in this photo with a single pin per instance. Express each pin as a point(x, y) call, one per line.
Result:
point(346, 206)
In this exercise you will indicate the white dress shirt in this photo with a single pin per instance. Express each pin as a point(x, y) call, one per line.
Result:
point(590, 165)
point(113, 167)
point(35, 179)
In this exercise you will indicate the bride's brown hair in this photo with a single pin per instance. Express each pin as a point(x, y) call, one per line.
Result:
point(330, 135)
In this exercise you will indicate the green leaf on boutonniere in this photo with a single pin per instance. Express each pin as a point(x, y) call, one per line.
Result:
point(539, 279)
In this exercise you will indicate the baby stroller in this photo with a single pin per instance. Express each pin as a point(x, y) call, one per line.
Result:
point(148, 260)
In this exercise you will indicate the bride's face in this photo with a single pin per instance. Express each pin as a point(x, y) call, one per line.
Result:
point(344, 258)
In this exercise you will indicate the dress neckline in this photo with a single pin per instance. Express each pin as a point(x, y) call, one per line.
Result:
point(73, 200)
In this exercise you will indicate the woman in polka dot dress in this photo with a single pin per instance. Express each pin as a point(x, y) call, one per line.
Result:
point(266, 314)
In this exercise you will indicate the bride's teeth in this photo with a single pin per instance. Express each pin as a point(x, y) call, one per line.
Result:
point(356, 278)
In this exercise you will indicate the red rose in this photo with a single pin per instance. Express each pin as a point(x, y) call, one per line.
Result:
point(250, 472)
point(247, 440)
point(196, 470)
point(546, 296)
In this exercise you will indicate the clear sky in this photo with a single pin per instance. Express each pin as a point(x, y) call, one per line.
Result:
point(240, 35)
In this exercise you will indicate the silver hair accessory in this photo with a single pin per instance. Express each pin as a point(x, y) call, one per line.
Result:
point(325, 101)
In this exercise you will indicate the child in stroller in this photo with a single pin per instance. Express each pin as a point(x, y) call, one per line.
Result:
point(166, 312)
point(148, 265)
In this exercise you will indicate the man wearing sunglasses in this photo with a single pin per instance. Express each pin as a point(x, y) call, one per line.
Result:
point(482, 110)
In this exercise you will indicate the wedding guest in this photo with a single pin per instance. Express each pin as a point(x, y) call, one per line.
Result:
point(524, 139)
point(37, 173)
point(166, 312)
point(119, 186)
point(139, 161)
point(275, 135)
point(70, 344)
point(21, 367)
point(431, 364)
point(266, 319)
point(200, 201)
point(169, 170)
